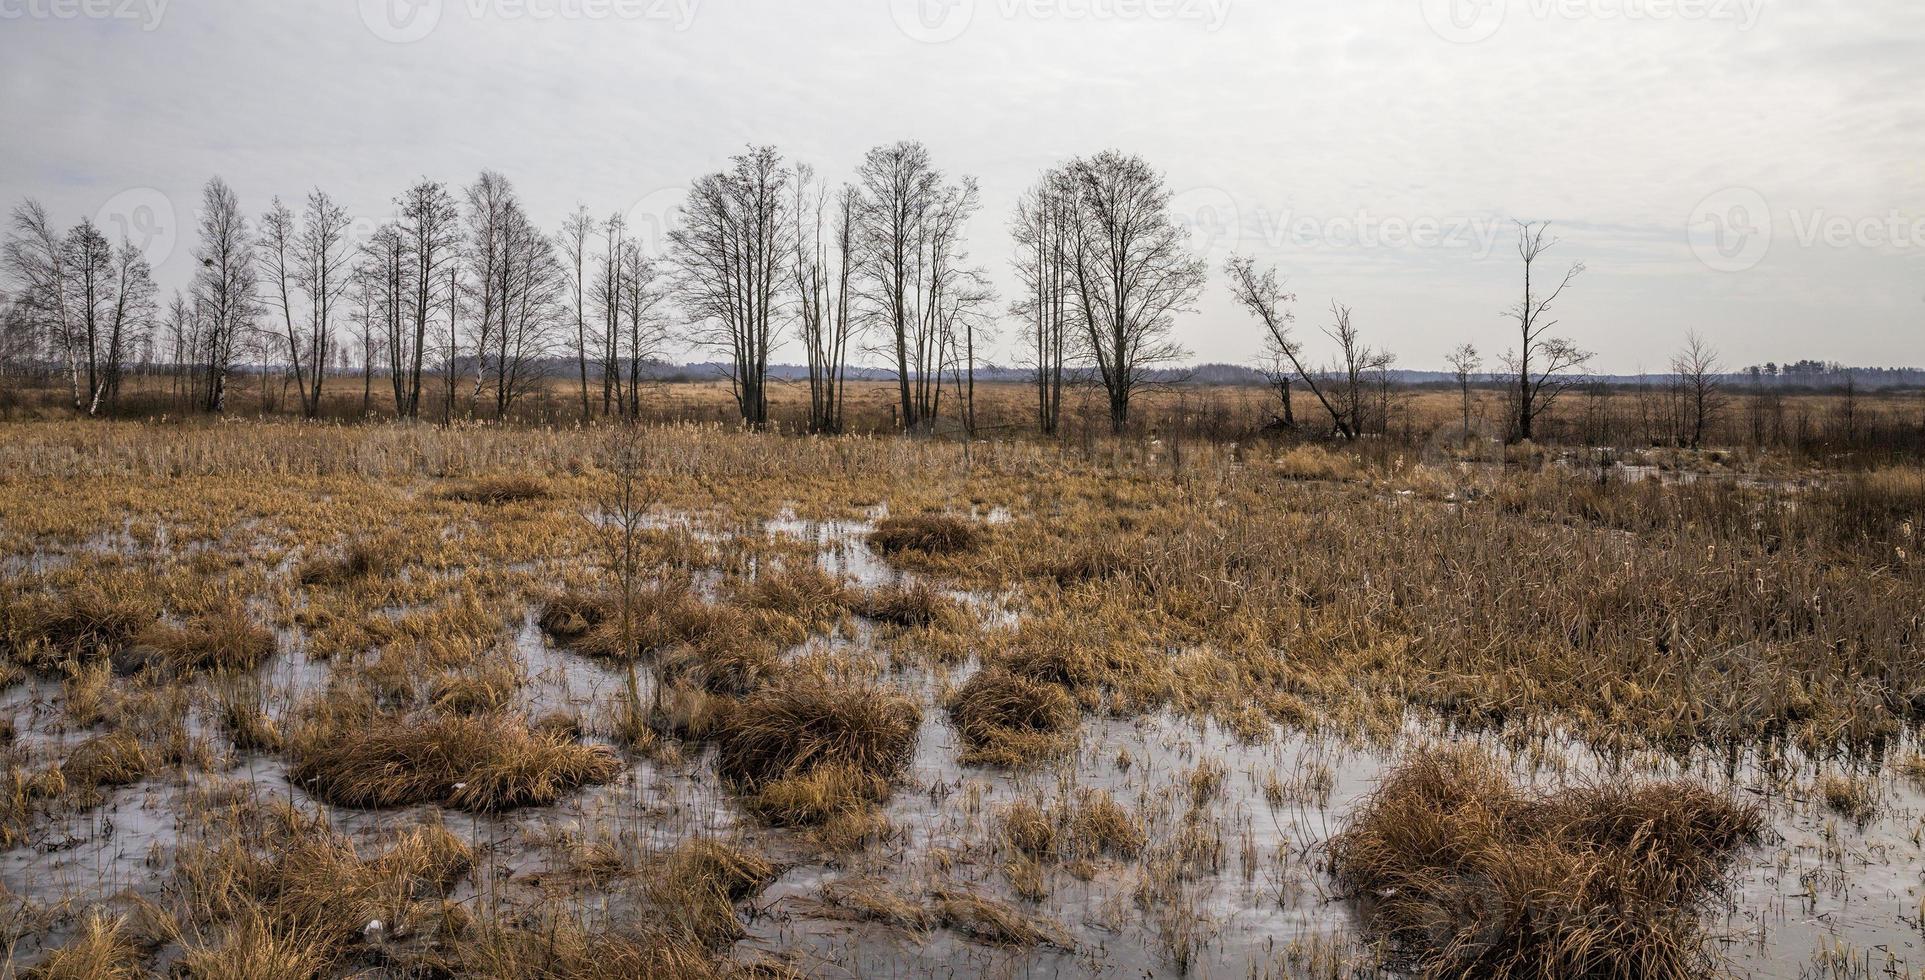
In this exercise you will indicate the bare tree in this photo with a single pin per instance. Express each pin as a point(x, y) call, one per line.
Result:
point(608, 301)
point(1701, 395)
point(1464, 363)
point(1133, 273)
point(1042, 231)
point(90, 277)
point(324, 270)
point(644, 324)
point(728, 258)
point(1262, 294)
point(431, 242)
point(36, 260)
point(276, 244)
point(130, 322)
point(914, 260)
point(1357, 365)
point(1544, 366)
point(574, 249)
point(224, 285)
point(823, 271)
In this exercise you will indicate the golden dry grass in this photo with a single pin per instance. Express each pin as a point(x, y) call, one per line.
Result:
point(1463, 873)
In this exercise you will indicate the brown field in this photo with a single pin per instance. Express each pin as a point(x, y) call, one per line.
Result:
point(1796, 425)
point(677, 700)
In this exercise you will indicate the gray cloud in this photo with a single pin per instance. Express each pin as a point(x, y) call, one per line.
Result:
point(1315, 114)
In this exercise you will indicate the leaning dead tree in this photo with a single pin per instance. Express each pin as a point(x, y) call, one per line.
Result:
point(1544, 366)
point(728, 259)
point(1262, 294)
point(1132, 274)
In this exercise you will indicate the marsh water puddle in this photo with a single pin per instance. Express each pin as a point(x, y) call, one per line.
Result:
point(1230, 882)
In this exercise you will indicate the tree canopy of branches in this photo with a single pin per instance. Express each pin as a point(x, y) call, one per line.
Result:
point(1132, 273)
point(915, 268)
point(728, 258)
point(824, 270)
point(1545, 366)
point(224, 287)
point(1042, 230)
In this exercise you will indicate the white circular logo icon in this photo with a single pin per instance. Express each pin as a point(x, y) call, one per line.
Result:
point(401, 21)
point(1465, 21)
point(144, 218)
point(1730, 231)
point(933, 21)
point(1210, 216)
point(648, 223)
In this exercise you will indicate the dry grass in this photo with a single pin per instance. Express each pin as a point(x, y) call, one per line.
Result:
point(1006, 720)
point(1463, 873)
point(997, 923)
point(927, 534)
point(365, 557)
point(105, 949)
point(498, 490)
point(805, 725)
point(89, 621)
point(223, 639)
point(483, 763)
point(914, 605)
point(291, 896)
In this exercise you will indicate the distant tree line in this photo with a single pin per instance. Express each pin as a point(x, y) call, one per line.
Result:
point(459, 300)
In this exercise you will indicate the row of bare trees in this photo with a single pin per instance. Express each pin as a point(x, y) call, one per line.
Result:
point(765, 252)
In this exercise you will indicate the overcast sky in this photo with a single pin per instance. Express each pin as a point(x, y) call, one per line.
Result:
point(1751, 169)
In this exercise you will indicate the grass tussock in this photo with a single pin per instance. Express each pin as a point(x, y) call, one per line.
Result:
point(225, 638)
point(868, 899)
point(561, 948)
point(114, 759)
point(497, 490)
point(363, 558)
point(288, 896)
point(1007, 720)
point(105, 949)
point(1465, 874)
point(807, 752)
point(701, 883)
point(483, 763)
point(927, 534)
point(914, 605)
point(713, 640)
point(806, 725)
point(84, 623)
point(996, 923)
